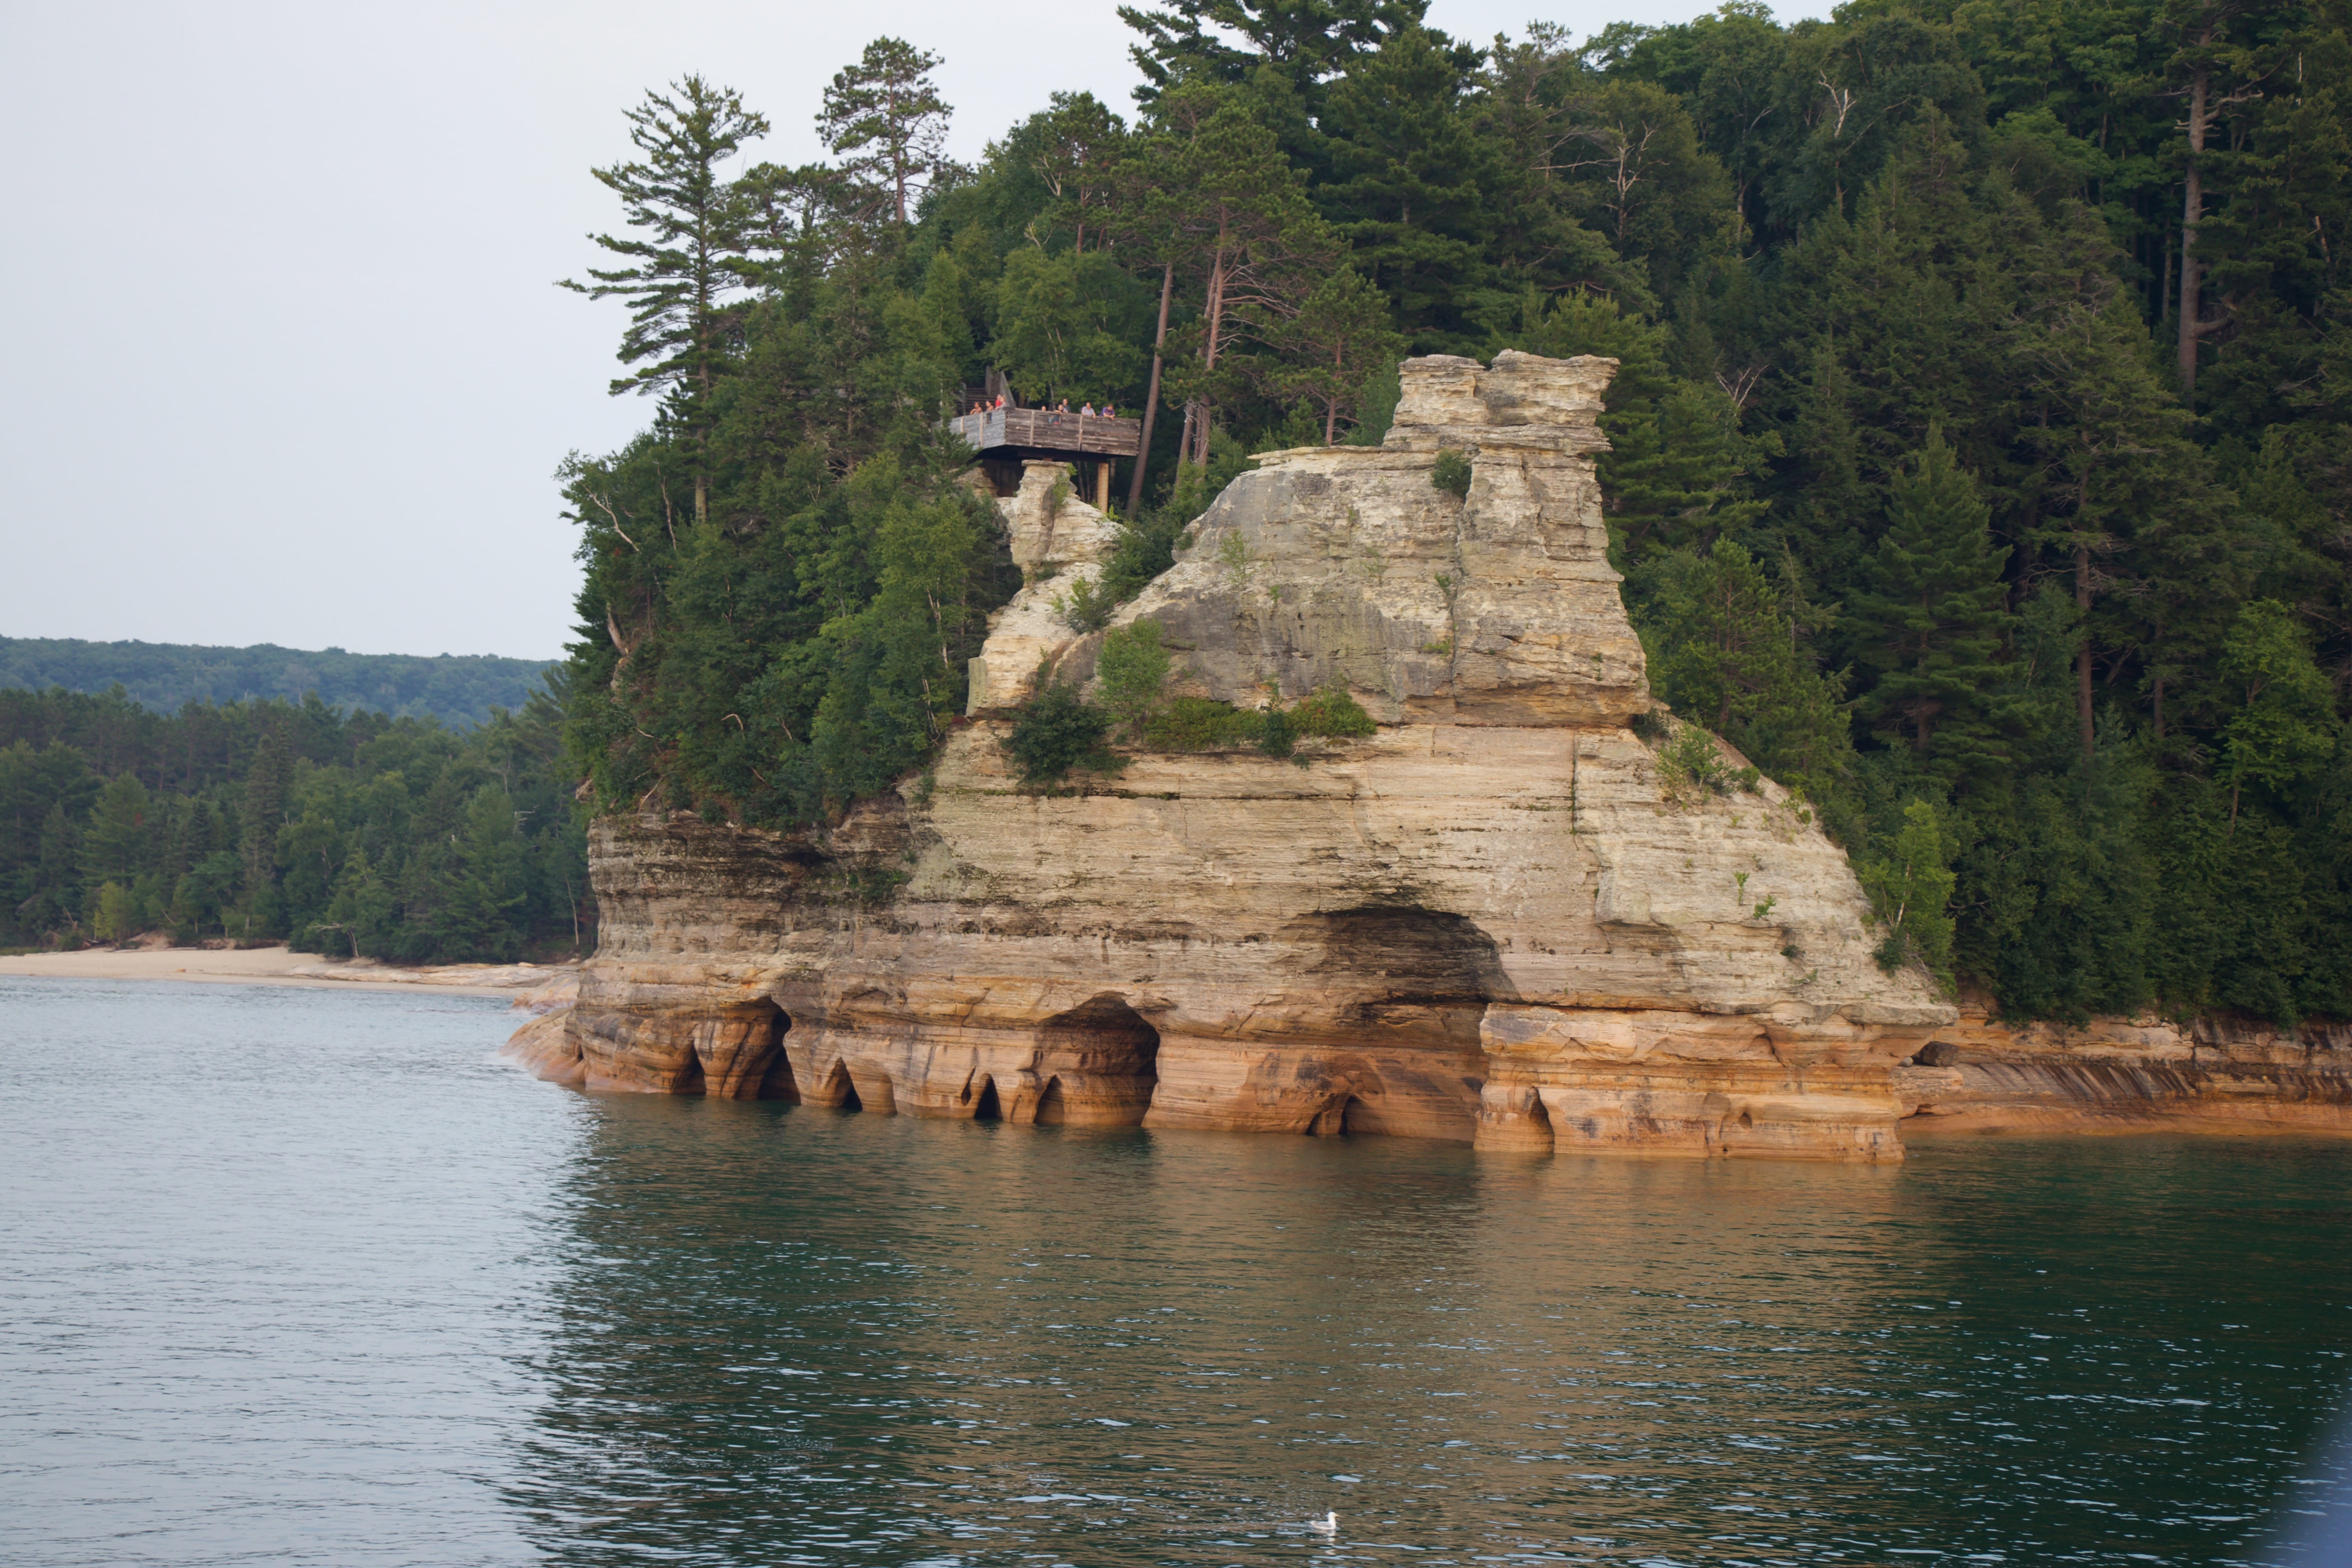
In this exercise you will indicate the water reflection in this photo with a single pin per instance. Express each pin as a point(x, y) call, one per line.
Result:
point(807, 1337)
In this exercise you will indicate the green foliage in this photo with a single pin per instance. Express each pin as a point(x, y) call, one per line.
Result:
point(1069, 325)
point(1343, 355)
point(676, 272)
point(1058, 730)
point(1725, 648)
point(1923, 489)
point(1331, 711)
point(1203, 724)
point(2285, 730)
point(1378, 409)
point(1910, 884)
point(1932, 620)
point(457, 690)
point(1133, 668)
point(116, 914)
point(358, 834)
point(1693, 764)
point(1451, 473)
point(1206, 724)
point(884, 118)
point(1088, 606)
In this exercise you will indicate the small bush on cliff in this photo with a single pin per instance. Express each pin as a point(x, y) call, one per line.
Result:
point(1087, 608)
point(1134, 670)
point(1693, 765)
point(1452, 474)
point(1055, 732)
point(1275, 738)
point(1201, 724)
point(1206, 724)
point(1331, 711)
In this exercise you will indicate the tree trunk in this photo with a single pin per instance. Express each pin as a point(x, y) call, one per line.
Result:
point(2192, 210)
point(2083, 653)
point(1209, 352)
point(1152, 402)
point(701, 445)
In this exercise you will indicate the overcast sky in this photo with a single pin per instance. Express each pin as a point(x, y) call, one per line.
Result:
point(288, 365)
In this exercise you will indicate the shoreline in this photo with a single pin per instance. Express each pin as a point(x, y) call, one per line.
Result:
point(536, 986)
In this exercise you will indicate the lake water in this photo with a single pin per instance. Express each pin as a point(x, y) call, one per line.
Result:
point(292, 1277)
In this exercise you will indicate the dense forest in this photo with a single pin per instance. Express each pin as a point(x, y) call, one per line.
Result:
point(351, 834)
point(455, 689)
point(1982, 446)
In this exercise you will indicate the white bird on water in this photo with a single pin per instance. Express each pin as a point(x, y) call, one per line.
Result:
point(1327, 1525)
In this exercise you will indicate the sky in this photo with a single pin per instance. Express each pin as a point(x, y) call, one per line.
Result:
point(285, 359)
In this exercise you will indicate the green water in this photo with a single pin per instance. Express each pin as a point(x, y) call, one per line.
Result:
point(290, 1279)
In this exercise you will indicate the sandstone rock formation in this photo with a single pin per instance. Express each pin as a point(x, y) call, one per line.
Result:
point(1979, 1075)
point(1503, 918)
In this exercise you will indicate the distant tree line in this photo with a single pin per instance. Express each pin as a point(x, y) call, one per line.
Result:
point(347, 834)
point(455, 689)
point(1982, 448)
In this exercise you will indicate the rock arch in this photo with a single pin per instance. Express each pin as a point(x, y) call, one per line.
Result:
point(733, 1050)
point(840, 1091)
point(1513, 1119)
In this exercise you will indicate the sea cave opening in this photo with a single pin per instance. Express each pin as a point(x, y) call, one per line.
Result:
point(1104, 1061)
point(778, 1082)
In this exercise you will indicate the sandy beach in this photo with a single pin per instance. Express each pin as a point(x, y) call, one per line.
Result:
point(526, 984)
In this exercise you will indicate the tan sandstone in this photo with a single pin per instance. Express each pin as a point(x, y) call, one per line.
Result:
point(1497, 919)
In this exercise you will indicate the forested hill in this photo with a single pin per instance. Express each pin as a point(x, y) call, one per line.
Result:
point(457, 690)
point(1982, 448)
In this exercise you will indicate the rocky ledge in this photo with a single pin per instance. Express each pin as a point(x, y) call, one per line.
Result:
point(1503, 918)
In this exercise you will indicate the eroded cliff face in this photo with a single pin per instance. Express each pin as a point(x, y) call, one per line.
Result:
point(1501, 919)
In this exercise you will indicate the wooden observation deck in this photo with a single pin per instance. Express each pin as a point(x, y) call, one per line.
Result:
point(1040, 433)
point(1007, 438)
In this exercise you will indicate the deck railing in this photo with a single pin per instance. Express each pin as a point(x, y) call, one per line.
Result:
point(1042, 431)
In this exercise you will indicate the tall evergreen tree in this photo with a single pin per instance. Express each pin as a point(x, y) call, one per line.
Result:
point(1239, 225)
point(1304, 41)
point(1410, 185)
point(884, 119)
point(1723, 650)
point(677, 277)
point(1931, 624)
point(1337, 345)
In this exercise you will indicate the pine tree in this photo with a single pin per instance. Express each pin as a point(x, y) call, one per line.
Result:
point(1336, 346)
point(118, 841)
point(1305, 41)
point(885, 121)
point(1406, 190)
point(676, 277)
point(1931, 621)
point(1724, 652)
point(1236, 222)
point(1828, 511)
point(265, 785)
point(1679, 472)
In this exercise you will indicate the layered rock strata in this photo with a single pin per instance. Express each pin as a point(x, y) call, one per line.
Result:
point(2215, 1074)
point(1504, 918)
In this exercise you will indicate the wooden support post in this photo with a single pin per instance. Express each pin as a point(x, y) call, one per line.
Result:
point(1102, 488)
